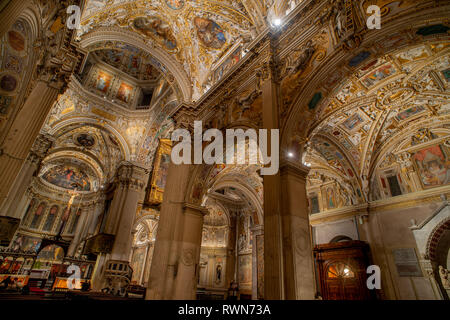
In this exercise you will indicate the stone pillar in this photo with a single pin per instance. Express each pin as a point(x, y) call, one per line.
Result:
point(79, 233)
point(297, 248)
point(231, 251)
point(57, 60)
point(273, 255)
point(23, 133)
point(10, 13)
point(258, 235)
point(185, 282)
point(169, 238)
point(288, 262)
point(130, 186)
point(29, 169)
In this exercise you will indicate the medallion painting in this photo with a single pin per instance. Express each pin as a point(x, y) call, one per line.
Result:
point(85, 140)
point(68, 178)
point(160, 170)
point(155, 27)
point(8, 83)
point(16, 41)
point(124, 93)
point(175, 4)
point(210, 33)
point(433, 166)
point(103, 82)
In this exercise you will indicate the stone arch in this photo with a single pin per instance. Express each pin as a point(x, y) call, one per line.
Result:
point(93, 122)
point(434, 240)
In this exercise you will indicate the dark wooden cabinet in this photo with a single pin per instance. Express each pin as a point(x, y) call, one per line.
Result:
point(341, 270)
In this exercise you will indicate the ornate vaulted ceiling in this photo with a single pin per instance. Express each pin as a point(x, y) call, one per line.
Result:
point(194, 33)
point(368, 114)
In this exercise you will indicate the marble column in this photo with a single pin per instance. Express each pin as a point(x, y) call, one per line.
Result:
point(10, 13)
point(297, 247)
point(258, 235)
point(79, 233)
point(185, 282)
point(130, 186)
point(29, 169)
point(288, 263)
point(178, 241)
point(23, 133)
point(130, 180)
point(231, 251)
point(273, 255)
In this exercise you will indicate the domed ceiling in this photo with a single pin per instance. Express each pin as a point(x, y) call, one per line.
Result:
point(195, 33)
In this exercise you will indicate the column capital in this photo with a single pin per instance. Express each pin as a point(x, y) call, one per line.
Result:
point(257, 230)
point(132, 176)
point(294, 168)
point(195, 209)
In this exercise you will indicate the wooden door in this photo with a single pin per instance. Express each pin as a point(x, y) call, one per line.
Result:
point(341, 268)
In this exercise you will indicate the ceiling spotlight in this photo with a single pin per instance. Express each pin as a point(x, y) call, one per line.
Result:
point(277, 22)
point(290, 154)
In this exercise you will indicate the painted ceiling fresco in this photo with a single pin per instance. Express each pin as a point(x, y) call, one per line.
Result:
point(385, 97)
point(68, 177)
point(196, 33)
point(131, 61)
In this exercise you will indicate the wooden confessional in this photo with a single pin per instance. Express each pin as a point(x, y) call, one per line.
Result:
point(341, 270)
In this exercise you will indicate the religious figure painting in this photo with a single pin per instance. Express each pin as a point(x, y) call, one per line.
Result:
point(68, 178)
point(160, 171)
point(353, 121)
point(331, 198)
point(124, 92)
point(5, 102)
point(412, 111)
point(155, 27)
point(103, 82)
point(381, 73)
point(433, 166)
point(229, 63)
point(210, 33)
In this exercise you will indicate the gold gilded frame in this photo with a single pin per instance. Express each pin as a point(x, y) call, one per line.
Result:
point(155, 194)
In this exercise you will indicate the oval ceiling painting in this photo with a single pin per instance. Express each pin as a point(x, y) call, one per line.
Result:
point(175, 4)
point(85, 140)
point(210, 33)
point(16, 41)
point(68, 178)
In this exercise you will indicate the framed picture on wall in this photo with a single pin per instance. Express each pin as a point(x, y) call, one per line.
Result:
point(160, 171)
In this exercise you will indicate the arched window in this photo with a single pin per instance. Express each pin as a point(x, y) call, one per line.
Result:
point(37, 217)
point(51, 217)
point(339, 270)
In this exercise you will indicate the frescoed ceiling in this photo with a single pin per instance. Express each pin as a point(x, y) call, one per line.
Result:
point(195, 33)
point(86, 154)
point(130, 60)
point(383, 97)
